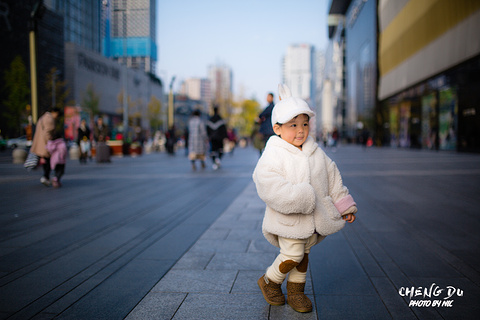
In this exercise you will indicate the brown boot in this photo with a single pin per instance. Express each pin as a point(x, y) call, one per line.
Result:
point(296, 297)
point(272, 292)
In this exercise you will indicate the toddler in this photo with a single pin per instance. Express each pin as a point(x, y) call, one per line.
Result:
point(305, 200)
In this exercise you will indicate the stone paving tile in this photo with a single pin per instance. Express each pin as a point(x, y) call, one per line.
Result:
point(208, 245)
point(241, 261)
point(262, 245)
point(194, 261)
point(223, 307)
point(358, 307)
point(157, 305)
point(211, 281)
point(216, 233)
point(395, 304)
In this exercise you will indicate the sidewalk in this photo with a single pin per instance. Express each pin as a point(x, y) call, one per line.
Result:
point(217, 277)
point(147, 238)
point(417, 229)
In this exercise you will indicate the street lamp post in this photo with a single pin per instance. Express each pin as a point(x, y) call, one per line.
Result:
point(125, 74)
point(170, 105)
point(125, 78)
point(35, 15)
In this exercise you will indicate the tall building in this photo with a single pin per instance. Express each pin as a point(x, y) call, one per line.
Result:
point(361, 69)
point(429, 73)
point(221, 81)
point(128, 30)
point(82, 21)
point(18, 19)
point(298, 72)
point(334, 107)
point(197, 89)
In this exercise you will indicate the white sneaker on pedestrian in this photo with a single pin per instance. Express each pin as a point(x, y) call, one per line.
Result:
point(45, 181)
point(214, 166)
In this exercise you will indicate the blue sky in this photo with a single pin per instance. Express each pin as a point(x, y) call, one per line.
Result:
point(250, 36)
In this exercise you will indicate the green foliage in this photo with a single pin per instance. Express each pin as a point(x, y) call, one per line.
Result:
point(60, 90)
point(244, 115)
point(91, 101)
point(18, 96)
point(154, 113)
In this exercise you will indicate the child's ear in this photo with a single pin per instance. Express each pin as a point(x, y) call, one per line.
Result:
point(276, 129)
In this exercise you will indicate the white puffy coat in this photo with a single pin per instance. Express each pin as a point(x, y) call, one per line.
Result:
point(303, 191)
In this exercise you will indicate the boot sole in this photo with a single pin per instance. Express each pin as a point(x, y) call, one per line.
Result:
point(265, 296)
point(300, 310)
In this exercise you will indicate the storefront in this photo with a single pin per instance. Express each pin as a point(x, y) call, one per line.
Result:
point(441, 113)
point(90, 74)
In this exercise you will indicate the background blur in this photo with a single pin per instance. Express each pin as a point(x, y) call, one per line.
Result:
point(401, 73)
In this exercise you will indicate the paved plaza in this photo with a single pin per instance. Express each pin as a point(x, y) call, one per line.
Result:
point(148, 238)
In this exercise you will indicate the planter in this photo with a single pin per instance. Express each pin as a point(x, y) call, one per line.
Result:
point(135, 150)
point(116, 147)
point(19, 155)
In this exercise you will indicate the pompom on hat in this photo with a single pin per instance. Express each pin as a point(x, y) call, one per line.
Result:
point(289, 107)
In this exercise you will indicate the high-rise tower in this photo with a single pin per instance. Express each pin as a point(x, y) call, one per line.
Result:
point(129, 33)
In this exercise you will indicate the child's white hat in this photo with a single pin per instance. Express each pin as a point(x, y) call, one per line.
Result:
point(289, 107)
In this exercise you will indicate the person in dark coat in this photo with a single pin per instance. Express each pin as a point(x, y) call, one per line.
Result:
point(217, 132)
point(266, 128)
point(100, 131)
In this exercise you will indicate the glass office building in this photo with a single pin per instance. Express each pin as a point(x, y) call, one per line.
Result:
point(82, 21)
point(129, 33)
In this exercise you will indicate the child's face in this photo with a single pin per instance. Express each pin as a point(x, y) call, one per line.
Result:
point(294, 131)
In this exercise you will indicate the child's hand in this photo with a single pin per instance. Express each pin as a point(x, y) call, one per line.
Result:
point(349, 217)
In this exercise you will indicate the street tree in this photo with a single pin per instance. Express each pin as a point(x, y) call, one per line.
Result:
point(154, 113)
point(91, 101)
point(56, 90)
point(244, 114)
point(18, 96)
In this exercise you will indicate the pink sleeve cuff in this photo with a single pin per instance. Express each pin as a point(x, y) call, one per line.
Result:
point(343, 204)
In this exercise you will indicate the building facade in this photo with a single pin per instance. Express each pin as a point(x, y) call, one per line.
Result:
point(429, 73)
point(221, 84)
point(361, 69)
point(334, 109)
point(197, 89)
point(299, 71)
point(15, 27)
point(82, 21)
point(90, 71)
point(128, 29)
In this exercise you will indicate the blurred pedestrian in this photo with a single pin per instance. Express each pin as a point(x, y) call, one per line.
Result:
point(43, 132)
point(232, 140)
point(100, 134)
point(265, 117)
point(83, 141)
point(305, 198)
point(58, 151)
point(197, 141)
point(186, 135)
point(335, 137)
point(217, 132)
point(171, 140)
point(257, 137)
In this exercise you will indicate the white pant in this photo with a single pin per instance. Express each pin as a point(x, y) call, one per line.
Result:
point(291, 249)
